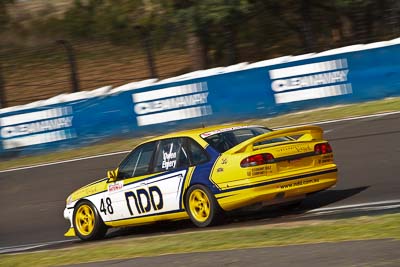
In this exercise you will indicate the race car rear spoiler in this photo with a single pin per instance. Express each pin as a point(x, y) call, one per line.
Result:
point(304, 133)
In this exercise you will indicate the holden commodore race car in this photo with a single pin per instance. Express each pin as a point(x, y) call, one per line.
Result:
point(202, 173)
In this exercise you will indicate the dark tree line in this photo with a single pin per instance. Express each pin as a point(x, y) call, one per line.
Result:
point(221, 32)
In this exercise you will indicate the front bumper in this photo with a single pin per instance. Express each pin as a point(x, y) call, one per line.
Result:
point(68, 213)
point(70, 232)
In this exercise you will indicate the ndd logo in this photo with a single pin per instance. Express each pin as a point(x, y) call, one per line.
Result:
point(149, 197)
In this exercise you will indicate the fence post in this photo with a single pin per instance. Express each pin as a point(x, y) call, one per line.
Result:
point(72, 63)
point(147, 46)
point(3, 100)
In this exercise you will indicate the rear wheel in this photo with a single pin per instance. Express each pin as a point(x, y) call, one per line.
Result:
point(87, 222)
point(202, 207)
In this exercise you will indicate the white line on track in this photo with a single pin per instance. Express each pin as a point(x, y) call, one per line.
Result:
point(124, 152)
point(65, 161)
point(354, 206)
point(379, 205)
point(13, 249)
point(373, 208)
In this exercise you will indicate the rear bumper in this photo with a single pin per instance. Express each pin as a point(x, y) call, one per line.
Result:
point(282, 189)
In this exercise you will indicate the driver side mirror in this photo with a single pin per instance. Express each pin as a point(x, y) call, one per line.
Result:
point(112, 175)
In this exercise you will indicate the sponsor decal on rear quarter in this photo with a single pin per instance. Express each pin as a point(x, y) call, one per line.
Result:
point(117, 186)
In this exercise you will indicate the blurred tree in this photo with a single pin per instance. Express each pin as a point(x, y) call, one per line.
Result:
point(221, 32)
point(326, 24)
point(391, 16)
point(229, 16)
point(146, 18)
point(298, 16)
point(3, 99)
point(356, 18)
point(210, 24)
point(120, 21)
point(4, 21)
point(79, 20)
point(186, 14)
point(4, 16)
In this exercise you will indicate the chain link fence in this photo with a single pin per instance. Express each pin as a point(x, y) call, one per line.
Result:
point(41, 72)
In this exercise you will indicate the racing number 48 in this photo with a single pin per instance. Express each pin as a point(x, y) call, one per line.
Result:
point(109, 207)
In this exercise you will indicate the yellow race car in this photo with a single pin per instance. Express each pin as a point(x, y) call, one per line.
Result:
point(200, 174)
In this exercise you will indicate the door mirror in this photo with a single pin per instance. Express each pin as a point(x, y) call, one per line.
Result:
point(112, 175)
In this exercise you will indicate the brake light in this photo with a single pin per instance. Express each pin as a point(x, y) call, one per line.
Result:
point(256, 160)
point(323, 148)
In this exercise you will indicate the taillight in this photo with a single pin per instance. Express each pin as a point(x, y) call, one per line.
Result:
point(323, 148)
point(256, 160)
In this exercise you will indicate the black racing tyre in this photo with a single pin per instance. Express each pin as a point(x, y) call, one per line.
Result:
point(87, 222)
point(202, 207)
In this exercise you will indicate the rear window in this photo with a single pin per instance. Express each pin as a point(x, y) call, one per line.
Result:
point(225, 140)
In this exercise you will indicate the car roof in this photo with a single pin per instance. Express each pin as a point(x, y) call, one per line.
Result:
point(195, 133)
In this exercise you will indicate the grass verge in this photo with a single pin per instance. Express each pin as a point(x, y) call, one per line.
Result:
point(330, 113)
point(361, 228)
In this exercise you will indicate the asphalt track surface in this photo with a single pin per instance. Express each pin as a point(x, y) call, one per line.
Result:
point(367, 152)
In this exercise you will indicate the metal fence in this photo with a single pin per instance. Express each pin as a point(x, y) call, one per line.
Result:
point(40, 72)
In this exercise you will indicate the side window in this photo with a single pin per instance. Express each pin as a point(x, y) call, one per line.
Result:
point(197, 153)
point(171, 155)
point(242, 135)
point(221, 142)
point(137, 163)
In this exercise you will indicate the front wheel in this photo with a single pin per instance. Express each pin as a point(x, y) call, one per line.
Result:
point(202, 207)
point(87, 222)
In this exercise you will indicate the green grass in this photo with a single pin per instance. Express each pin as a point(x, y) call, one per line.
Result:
point(336, 112)
point(361, 228)
point(373, 107)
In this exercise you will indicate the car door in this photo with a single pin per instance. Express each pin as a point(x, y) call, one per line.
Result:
point(132, 174)
point(171, 164)
point(149, 181)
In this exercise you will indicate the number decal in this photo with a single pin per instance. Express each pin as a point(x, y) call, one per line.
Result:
point(109, 206)
point(151, 195)
point(102, 209)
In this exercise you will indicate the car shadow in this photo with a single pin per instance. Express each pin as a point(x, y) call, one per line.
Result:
point(314, 201)
point(328, 197)
point(250, 215)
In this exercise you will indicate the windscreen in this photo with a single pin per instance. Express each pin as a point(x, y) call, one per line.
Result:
point(224, 140)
